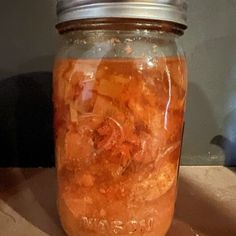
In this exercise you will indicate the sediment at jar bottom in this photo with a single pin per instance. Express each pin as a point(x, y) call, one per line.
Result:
point(140, 203)
point(140, 223)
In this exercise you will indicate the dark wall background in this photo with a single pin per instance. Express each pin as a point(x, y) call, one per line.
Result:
point(28, 44)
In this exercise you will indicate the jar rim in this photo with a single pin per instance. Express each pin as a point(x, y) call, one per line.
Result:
point(164, 10)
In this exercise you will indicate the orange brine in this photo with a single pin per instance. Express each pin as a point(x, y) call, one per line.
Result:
point(118, 131)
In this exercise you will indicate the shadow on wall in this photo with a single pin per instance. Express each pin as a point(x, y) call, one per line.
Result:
point(228, 142)
point(26, 134)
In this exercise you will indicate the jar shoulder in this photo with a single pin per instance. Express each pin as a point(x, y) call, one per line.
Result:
point(119, 44)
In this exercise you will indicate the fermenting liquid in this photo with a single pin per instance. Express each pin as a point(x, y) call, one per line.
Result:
point(118, 132)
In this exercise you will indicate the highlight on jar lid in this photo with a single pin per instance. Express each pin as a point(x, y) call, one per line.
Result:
point(164, 10)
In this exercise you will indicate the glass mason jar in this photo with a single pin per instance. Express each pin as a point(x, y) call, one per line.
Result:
point(119, 100)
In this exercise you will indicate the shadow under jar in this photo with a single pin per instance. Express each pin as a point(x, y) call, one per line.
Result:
point(119, 101)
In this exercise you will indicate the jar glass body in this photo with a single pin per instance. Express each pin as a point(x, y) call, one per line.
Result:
point(119, 100)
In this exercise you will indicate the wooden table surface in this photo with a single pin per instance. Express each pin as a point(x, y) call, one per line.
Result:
point(206, 203)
